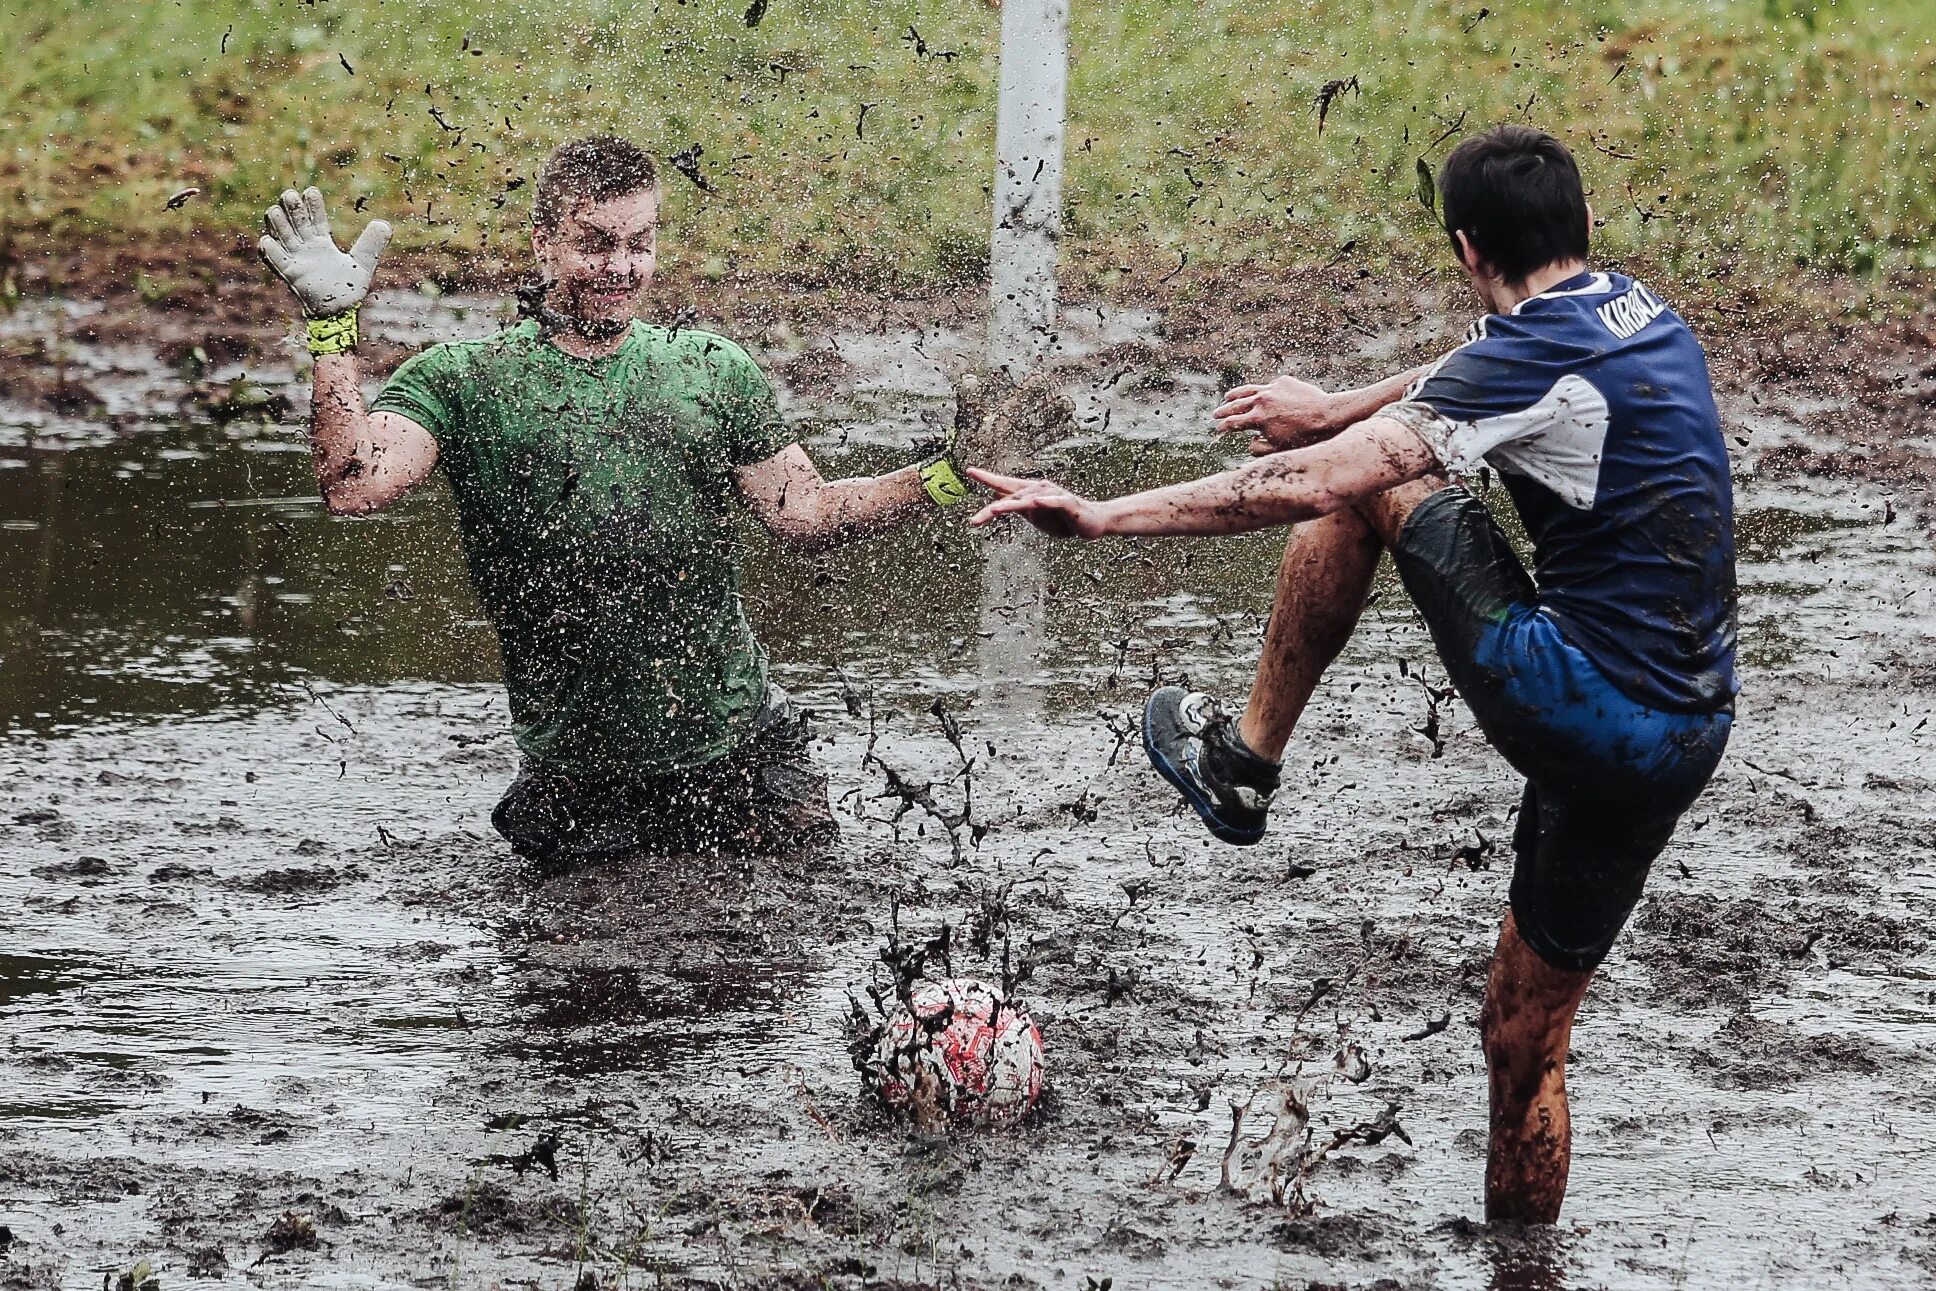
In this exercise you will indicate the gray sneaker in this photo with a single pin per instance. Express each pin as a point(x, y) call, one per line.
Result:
point(1194, 745)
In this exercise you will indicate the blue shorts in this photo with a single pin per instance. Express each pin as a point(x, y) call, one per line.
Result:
point(1607, 777)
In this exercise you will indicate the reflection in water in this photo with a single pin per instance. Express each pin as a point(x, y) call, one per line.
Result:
point(641, 964)
point(193, 570)
point(1526, 1260)
point(1014, 608)
point(24, 976)
point(600, 1019)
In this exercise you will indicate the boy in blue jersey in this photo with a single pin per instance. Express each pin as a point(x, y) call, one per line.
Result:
point(1606, 677)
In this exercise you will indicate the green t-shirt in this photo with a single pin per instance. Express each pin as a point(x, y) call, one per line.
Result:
point(596, 505)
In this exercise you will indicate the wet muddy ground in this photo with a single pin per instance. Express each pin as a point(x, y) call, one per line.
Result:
point(278, 1011)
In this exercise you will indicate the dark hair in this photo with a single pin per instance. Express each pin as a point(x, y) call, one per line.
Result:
point(596, 169)
point(1515, 193)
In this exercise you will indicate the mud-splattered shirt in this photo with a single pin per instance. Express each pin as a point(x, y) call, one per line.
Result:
point(596, 506)
point(1592, 401)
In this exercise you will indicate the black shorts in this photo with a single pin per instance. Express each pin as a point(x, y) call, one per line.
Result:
point(764, 797)
point(1607, 777)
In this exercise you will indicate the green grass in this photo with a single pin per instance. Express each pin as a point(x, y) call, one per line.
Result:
point(1774, 135)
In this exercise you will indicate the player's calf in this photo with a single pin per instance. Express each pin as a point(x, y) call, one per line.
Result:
point(1525, 1029)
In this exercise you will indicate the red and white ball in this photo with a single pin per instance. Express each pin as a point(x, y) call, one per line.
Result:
point(961, 1052)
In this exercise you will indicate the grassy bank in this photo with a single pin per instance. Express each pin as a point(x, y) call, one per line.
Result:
point(1767, 135)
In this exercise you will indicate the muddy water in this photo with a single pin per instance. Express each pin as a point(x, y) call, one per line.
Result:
point(260, 954)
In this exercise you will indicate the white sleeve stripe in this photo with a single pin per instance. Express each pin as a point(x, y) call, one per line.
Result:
point(1558, 441)
point(1428, 423)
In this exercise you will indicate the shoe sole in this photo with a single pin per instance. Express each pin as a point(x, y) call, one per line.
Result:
point(1184, 785)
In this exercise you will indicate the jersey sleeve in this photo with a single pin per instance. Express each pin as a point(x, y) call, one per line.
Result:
point(1501, 402)
point(750, 425)
point(428, 389)
point(1477, 399)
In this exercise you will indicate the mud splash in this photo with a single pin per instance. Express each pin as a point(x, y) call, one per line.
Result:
point(277, 1011)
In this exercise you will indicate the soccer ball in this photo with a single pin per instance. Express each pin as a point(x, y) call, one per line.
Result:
point(960, 1052)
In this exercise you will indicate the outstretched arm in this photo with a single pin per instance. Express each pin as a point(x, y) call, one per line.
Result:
point(1284, 488)
point(364, 461)
point(809, 513)
point(993, 419)
point(1289, 413)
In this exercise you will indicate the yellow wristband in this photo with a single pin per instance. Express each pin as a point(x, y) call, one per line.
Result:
point(944, 485)
point(333, 335)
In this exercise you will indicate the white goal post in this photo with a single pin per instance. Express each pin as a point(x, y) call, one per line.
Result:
point(1028, 182)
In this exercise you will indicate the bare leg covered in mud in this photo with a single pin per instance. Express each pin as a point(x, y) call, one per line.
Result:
point(1526, 1027)
point(1321, 588)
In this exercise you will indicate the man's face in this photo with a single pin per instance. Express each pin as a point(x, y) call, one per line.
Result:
point(599, 260)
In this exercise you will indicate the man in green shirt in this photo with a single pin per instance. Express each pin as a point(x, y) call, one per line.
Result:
point(597, 463)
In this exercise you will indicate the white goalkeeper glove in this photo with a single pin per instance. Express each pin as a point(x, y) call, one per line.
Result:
point(329, 282)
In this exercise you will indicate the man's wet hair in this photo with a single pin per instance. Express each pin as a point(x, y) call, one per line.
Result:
point(595, 169)
point(1516, 194)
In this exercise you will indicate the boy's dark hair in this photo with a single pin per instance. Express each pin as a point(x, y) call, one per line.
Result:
point(596, 169)
point(1515, 193)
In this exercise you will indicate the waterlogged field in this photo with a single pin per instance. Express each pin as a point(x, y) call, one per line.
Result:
point(276, 1010)
point(1744, 138)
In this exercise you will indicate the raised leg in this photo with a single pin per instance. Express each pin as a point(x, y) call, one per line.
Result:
point(1387, 512)
point(1322, 583)
point(1526, 1027)
point(1321, 587)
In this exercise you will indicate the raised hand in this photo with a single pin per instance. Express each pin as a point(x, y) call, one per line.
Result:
point(299, 247)
point(1043, 503)
point(1285, 413)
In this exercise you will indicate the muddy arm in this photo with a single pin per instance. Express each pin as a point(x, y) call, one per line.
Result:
point(1287, 487)
point(1351, 406)
point(364, 460)
point(1288, 413)
point(809, 513)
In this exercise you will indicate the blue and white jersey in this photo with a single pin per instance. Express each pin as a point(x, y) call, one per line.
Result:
point(1592, 401)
